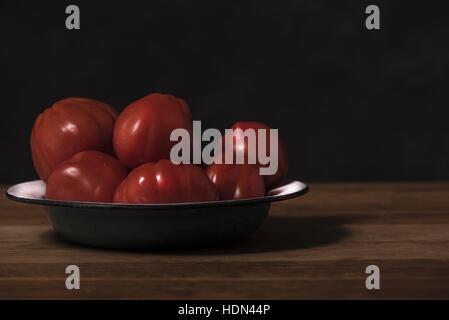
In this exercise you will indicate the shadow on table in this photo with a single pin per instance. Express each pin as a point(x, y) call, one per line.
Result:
point(284, 233)
point(278, 233)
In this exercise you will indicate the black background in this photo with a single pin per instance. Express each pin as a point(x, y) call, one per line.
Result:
point(351, 104)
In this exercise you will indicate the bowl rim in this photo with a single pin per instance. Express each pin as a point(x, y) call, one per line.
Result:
point(302, 189)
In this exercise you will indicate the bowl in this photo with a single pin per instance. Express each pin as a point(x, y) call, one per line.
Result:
point(157, 226)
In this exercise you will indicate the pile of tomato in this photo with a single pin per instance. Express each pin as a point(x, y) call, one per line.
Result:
point(85, 151)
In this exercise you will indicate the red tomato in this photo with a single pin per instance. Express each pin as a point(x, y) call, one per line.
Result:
point(68, 127)
point(165, 182)
point(236, 181)
point(89, 176)
point(142, 131)
point(270, 180)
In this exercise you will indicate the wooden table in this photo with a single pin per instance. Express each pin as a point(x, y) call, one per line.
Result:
point(316, 246)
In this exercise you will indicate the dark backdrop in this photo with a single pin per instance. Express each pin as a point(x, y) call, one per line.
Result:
point(351, 104)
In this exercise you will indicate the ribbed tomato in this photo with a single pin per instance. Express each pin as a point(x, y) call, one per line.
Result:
point(236, 181)
point(142, 131)
point(71, 125)
point(165, 182)
point(90, 176)
point(242, 144)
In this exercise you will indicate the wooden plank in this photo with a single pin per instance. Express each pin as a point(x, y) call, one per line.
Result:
point(316, 246)
point(399, 288)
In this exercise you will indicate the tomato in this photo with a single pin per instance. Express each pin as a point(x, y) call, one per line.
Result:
point(89, 176)
point(270, 180)
point(236, 181)
point(71, 125)
point(165, 182)
point(142, 131)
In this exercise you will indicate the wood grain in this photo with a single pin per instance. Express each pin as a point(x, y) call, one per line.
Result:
point(316, 246)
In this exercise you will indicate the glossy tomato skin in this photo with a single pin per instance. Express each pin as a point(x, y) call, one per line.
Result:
point(90, 176)
point(269, 180)
point(71, 125)
point(142, 131)
point(236, 181)
point(165, 182)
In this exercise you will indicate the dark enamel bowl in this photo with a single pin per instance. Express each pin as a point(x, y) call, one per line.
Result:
point(174, 225)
